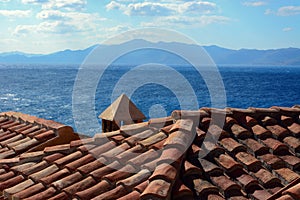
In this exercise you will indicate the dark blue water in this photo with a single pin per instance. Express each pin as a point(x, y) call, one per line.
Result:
point(46, 92)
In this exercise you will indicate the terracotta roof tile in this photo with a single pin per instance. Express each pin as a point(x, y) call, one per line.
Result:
point(240, 132)
point(181, 191)
point(212, 149)
point(157, 189)
point(293, 143)
point(261, 132)
point(102, 148)
point(295, 129)
point(110, 155)
point(31, 129)
point(153, 139)
point(286, 120)
point(285, 197)
point(276, 146)
point(25, 146)
point(67, 181)
point(135, 180)
point(190, 169)
point(183, 125)
point(79, 186)
point(210, 168)
point(47, 180)
point(160, 122)
point(67, 159)
point(248, 183)
point(38, 131)
point(43, 173)
point(46, 194)
point(261, 194)
point(189, 114)
point(84, 141)
point(16, 143)
point(164, 171)
point(17, 188)
point(228, 163)
point(6, 176)
point(204, 188)
point(32, 156)
point(22, 167)
point(45, 135)
point(115, 193)
point(91, 166)
point(255, 147)
point(232, 146)
point(60, 196)
point(278, 131)
point(266, 178)
point(107, 169)
point(293, 191)
point(286, 175)
point(120, 174)
point(292, 162)
point(11, 140)
point(132, 129)
point(249, 161)
point(80, 162)
point(134, 195)
point(94, 191)
point(228, 187)
point(64, 148)
point(268, 121)
point(132, 140)
point(11, 182)
point(53, 157)
point(272, 161)
point(30, 191)
point(144, 158)
point(216, 132)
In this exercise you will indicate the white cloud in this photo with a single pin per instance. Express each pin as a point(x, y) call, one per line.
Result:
point(145, 8)
point(269, 12)
point(70, 5)
point(4, 1)
point(115, 6)
point(288, 10)
point(254, 3)
point(55, 27)
point(287, 29)
point(58, 22)
point(15, 13)
point(66, 4)
point(183, 21)
point(117, 29)
point(34, 1)
point(163, 9)
point(201, 7)
point(69, 16)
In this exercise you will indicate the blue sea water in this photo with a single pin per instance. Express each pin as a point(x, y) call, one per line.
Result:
point(46, 91)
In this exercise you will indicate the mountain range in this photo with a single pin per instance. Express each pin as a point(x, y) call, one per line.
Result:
point(221, 56)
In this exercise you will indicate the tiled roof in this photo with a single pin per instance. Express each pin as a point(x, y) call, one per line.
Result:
point(257, 156)
point(21, 133)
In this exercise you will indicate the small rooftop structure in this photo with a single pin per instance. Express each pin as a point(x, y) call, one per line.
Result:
point(121, 112)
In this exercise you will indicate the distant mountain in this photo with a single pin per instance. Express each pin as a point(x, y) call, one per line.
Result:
point(221, 56)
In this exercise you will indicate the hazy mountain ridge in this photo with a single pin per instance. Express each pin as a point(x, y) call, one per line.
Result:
point(221, 56)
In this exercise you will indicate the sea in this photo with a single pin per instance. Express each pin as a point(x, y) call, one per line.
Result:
point(47, 91)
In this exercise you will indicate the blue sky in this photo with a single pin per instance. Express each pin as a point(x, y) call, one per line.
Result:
point(45, 26)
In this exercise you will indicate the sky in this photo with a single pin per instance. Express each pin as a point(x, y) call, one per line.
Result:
point(46, 26)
